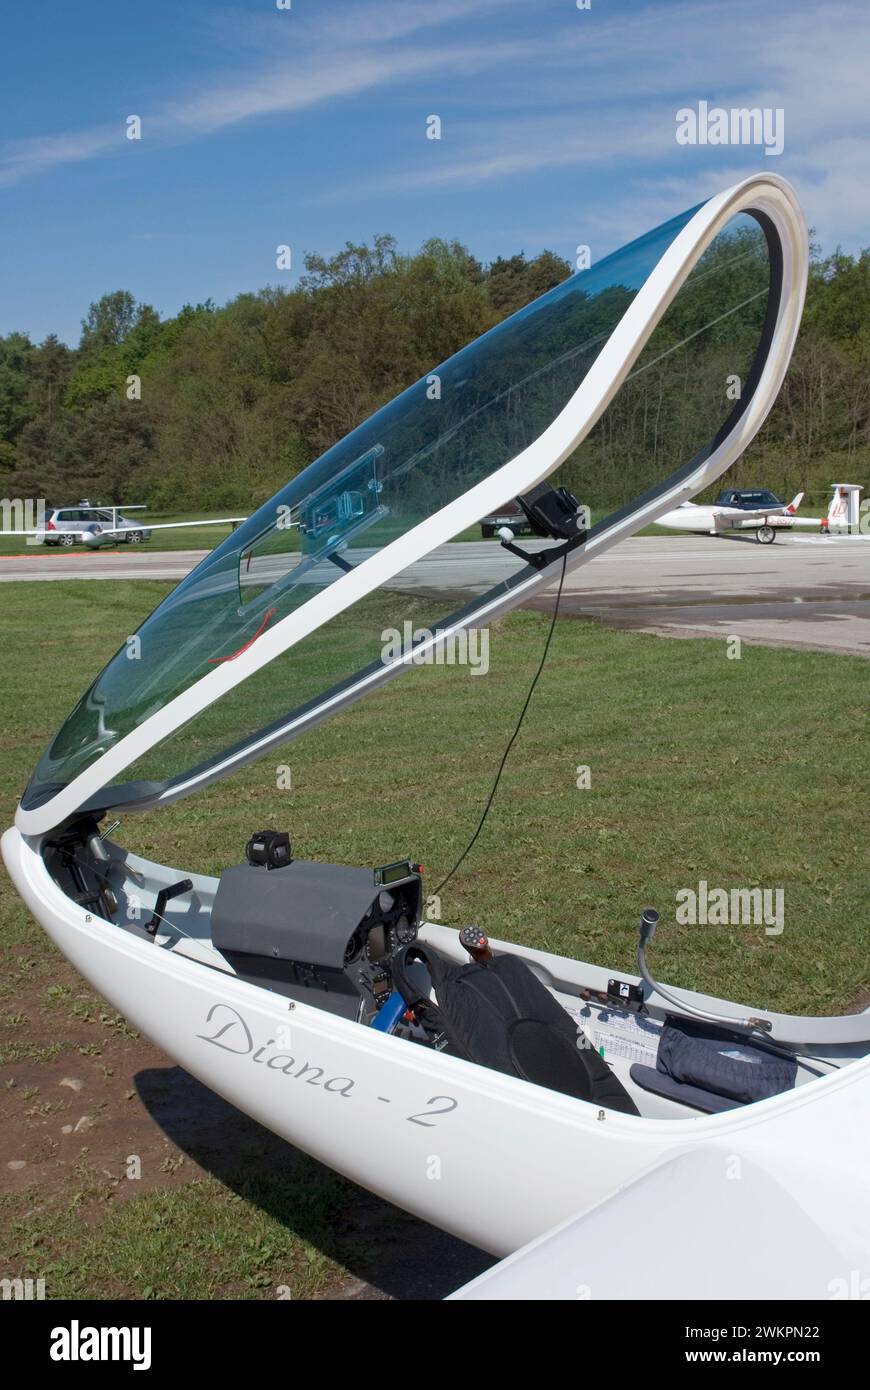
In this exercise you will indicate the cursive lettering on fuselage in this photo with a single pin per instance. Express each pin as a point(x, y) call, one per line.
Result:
point(233, 1035)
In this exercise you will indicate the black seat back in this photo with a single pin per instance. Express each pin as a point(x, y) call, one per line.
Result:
point(500, 1015)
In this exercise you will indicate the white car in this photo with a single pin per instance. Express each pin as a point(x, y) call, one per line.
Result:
point(71, 525)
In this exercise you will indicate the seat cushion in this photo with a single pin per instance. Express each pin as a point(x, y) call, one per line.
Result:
point(727, 1063)
point(660, 1084)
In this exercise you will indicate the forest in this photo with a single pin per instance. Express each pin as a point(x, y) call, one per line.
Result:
point(219, 406)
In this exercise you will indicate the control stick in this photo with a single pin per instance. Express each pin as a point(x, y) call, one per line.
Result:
point(649, 920)
point(476, 944)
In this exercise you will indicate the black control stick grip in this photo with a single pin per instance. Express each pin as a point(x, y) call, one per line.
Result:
point(476, 944)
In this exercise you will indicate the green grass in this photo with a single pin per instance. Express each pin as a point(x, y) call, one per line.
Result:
point(738, 772)
point(261, 1237)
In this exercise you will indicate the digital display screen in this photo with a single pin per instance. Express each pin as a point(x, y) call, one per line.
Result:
point(394, 873)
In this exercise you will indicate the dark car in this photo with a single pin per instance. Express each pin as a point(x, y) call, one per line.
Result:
point(753, 499)
point(512, 515)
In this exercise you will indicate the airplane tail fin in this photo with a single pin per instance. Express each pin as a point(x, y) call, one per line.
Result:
point(843, 507)
point(794, 504)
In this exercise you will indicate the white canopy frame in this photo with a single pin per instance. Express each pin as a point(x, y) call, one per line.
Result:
point(765, 195)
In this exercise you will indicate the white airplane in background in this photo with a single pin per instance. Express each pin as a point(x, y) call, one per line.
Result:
point(758, 510)
point(737, 509)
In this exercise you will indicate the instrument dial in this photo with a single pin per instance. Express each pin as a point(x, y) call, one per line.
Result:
point(405, 931)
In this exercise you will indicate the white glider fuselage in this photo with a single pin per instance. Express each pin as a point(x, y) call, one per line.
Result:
point(716, 519)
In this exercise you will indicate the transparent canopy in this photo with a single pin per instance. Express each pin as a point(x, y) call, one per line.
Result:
point(426, 448)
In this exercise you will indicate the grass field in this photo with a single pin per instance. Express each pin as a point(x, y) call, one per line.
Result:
point(741, 772)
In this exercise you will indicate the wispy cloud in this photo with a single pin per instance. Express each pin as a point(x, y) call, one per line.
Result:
point(24, 158)
point(294, 67)
point(608, 96)
point(509, 147)
point(296, 87)
point(570, 91)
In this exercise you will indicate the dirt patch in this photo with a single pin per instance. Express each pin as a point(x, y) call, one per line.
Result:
point(93, 1116)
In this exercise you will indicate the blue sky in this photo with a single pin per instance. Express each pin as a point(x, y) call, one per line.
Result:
point(307, 127)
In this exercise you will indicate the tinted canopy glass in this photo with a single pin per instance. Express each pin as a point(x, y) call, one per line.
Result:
point(426, 448)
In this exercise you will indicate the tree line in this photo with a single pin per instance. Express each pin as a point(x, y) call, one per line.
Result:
point(217, 407)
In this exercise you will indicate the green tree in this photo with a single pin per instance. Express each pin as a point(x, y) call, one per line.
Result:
point(16, 353)
point(237, 399)
point(108, 321)
point(512, 282)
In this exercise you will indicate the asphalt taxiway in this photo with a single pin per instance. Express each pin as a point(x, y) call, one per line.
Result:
point(802, 591)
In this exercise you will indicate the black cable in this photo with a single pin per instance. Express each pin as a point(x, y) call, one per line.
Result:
point(513, 737)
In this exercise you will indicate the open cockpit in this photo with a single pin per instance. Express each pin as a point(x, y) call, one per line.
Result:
point(354, 942)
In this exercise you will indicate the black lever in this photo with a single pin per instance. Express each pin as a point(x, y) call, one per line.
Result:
point(163, 897)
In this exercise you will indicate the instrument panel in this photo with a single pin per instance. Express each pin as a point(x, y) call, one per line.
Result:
point(390, 923)
point(322, 933)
